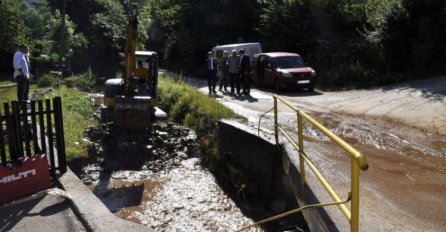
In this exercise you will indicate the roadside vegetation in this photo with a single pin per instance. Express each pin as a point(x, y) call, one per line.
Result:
point(350, 44)
point(77, 109)
point(187, 106)
point(184, 104)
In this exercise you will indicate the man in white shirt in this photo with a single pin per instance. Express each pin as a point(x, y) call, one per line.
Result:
point(21, 72)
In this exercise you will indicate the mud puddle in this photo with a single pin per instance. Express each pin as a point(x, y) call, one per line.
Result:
point(406, 167)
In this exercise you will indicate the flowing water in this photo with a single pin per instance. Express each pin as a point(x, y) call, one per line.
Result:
point(185, 198)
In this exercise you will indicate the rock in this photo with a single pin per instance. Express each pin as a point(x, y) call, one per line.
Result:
point(182, 155)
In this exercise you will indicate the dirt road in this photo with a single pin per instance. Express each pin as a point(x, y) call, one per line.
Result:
point(401, 129)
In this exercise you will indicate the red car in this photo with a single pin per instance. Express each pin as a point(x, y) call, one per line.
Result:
point(282, 70)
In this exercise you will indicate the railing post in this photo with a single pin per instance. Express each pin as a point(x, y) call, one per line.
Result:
point(301, 149)
point(354, 221)
point(276, 132)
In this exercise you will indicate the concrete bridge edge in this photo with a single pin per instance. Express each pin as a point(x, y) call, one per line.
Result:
point(275, 166)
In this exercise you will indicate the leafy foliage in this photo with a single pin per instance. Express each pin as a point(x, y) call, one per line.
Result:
point(82, 82)
point(47, 81)
point(289, 25)
point(13, 30)
point(191, 108)
point(350, 43)
point(183, 31)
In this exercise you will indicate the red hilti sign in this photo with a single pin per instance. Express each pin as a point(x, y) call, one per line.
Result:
point(30, 177)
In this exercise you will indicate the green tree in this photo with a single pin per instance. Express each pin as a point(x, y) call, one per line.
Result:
point(413, 36)
point(183, 31)
point(103, 23)
point(45, 27)
point(13, 31)
point(288, 26)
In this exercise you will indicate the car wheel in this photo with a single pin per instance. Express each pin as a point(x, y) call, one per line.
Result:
point(311, 89)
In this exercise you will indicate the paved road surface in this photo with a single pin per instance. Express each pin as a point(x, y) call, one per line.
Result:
point(401, 129)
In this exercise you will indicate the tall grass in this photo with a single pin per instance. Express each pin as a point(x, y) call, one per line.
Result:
point(83, 82)
point(77, 110)
point(187, 106)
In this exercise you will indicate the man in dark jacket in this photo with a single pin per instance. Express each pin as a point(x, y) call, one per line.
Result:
point(245, 69)
point(211, 72)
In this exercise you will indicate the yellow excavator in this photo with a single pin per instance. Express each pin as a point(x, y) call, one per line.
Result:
point(130, 102)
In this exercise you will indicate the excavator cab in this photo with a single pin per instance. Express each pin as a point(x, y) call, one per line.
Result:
point(134, 106)
point(130, 102)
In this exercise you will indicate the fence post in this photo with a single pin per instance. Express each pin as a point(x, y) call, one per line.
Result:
point(26, 137)
point(42, 127)
point(60, 140)
point(2, 141)
point(37, 150)
point(15, 119)
point(50, 135)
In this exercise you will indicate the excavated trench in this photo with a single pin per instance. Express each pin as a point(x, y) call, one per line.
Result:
point(157, 179)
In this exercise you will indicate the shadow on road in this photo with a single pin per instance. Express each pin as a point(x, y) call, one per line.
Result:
point(433, 89)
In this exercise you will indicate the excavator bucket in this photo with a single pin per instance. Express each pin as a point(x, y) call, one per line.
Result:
point(133, 112)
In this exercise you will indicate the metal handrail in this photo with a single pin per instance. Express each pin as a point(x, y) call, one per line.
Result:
point(358, 161)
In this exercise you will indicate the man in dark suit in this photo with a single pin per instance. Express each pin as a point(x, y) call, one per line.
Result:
point(211, 69)
point(245, 69)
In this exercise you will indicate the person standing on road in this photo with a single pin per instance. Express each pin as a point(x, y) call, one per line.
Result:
point(224, 70)
point(245, 69)
point(211, 67)
point(22, 72)
point(234, 68)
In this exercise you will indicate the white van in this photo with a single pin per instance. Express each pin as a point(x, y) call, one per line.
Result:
point(249, 48)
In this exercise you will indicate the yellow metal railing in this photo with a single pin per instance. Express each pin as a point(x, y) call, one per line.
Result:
point(358, 161)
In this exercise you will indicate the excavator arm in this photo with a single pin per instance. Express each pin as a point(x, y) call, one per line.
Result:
point(130, 48)
point(130, 102)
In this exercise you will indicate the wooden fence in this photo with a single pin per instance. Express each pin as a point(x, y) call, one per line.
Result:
point(32, 128)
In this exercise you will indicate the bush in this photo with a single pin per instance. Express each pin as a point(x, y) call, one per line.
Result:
point(81, 82)
point(47, 80)
point(193, 109)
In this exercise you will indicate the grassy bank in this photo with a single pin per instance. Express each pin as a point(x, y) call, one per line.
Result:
point(77, 110)
point(189, 107)
point(8, 91)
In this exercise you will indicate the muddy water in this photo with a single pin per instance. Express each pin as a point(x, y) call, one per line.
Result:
point(406, 179)
point(186, 198)
point(157, 180)
point(407, 168)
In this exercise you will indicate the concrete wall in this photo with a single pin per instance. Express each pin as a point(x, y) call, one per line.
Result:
point(275, 168)
point(255, 154)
